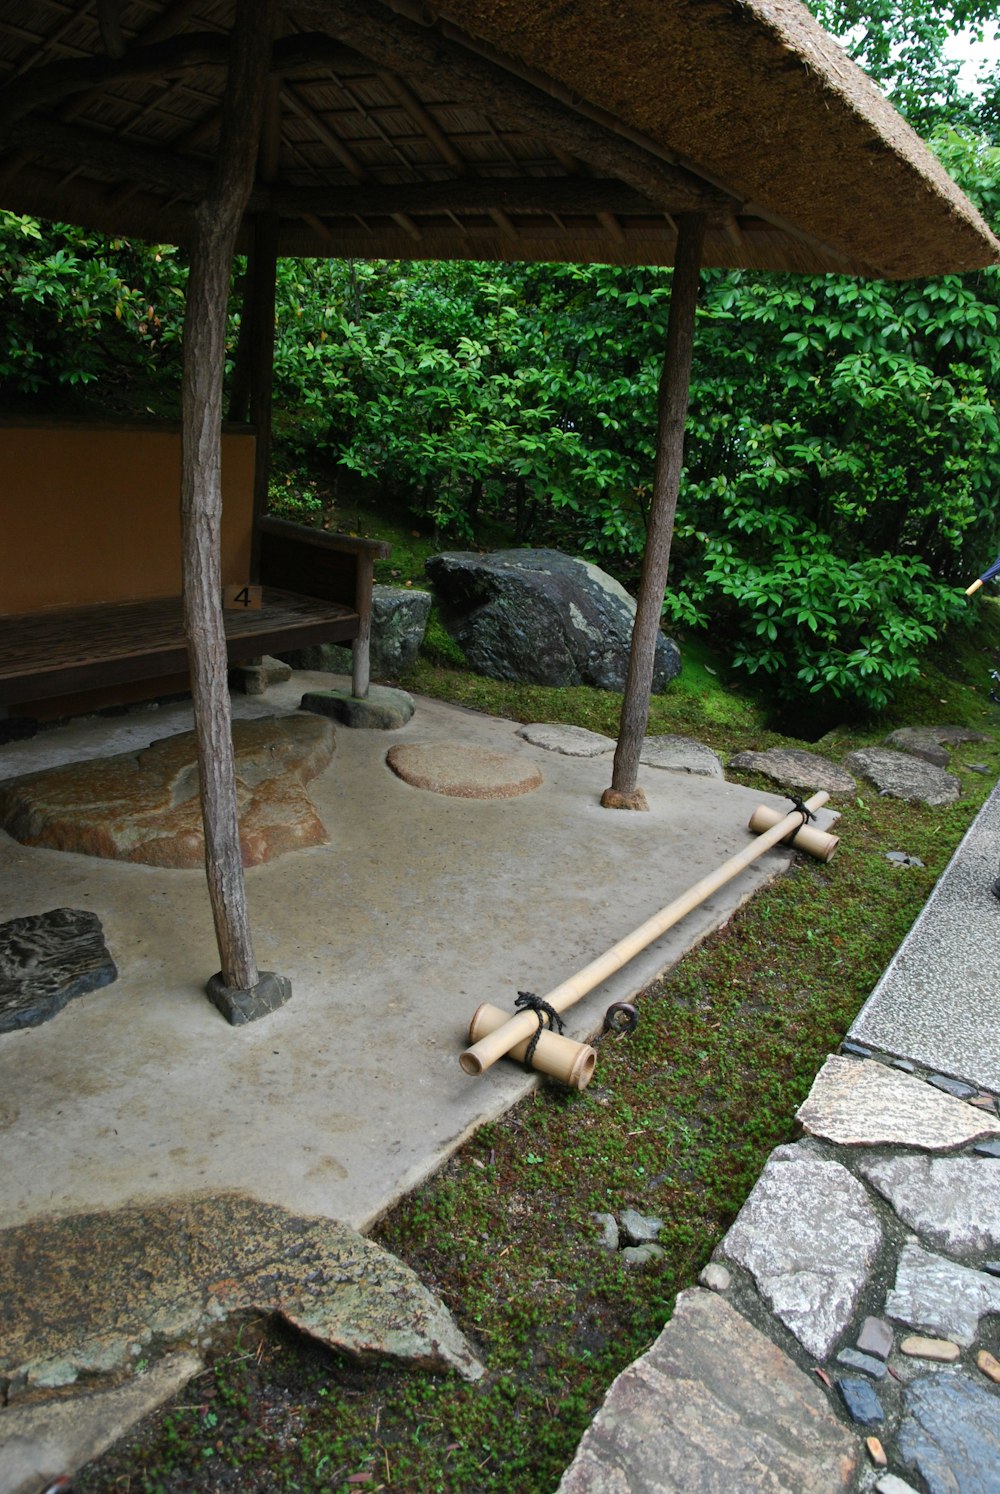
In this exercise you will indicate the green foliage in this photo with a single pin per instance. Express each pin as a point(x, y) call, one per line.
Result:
point(77, 310)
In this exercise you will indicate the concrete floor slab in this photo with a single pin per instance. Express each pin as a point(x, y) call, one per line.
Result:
point(936, 1004)
point(420, 907)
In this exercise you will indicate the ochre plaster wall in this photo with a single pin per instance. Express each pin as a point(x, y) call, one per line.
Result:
point(91, 513)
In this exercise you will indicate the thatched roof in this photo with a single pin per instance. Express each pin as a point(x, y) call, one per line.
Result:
point(508, 129)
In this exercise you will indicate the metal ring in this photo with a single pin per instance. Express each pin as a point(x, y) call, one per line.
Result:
point(621, 1017)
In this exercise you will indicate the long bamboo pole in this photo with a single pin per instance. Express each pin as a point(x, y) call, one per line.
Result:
point(483, 1054)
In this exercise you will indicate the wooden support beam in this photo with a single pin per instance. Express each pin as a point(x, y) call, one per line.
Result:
point(675, 383)
point(109, 23)
point(217, 221)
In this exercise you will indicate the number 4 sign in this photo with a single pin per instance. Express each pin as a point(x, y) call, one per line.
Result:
point(242, 598)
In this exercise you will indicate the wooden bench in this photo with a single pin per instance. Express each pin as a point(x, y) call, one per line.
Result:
point(317, 588)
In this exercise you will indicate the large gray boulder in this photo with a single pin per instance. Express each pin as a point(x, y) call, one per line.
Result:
point(541, 617)
point(399, 621)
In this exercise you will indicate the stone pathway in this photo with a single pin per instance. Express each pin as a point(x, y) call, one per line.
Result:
point(857, 1294)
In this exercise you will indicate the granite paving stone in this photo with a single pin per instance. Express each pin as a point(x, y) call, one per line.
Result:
point(899, 776)
point(713, 1406)
point(859, 1102)
point(796, 768)
point(571, 741)
point(680, 755)
point(808, 1234)
point(951, 1202)
point(939, 1296)
point(950, 1433)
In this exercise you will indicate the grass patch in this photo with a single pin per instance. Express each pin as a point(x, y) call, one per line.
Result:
point(678, 1123)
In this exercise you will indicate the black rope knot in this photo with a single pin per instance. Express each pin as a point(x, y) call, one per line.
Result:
point(547, 1017)
point(802, 808)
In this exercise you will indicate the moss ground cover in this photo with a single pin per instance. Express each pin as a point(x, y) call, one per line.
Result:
point(677, 1123)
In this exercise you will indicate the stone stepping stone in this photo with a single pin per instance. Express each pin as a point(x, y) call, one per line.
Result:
point(681, 755)
point(793, 767)
point(113, 1281)
point(144, 806)
point(571, 741)
point(950, 1432)
point(858, 1102)
point(939, 1296)
point(382, 709)
point(932, 742)
point(952, 1202)
point(713, 1405)
point(808, 1234)
point(897, 775)
point(463, 771)
point(47, 959)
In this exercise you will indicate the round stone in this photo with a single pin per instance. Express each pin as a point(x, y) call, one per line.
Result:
point(463, 771)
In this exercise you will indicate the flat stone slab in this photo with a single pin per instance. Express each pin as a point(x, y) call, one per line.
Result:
point(681, 755)
point(897, 775)
point(713, 1407)
point(382, 709)
point(44, 1441)
point(932, 742)
point(950, 1433)
point(96, 1289)
point(952, 1202)
point(808, 1234)
point(793, 767)
point(45, 960)
point(858, 1102)
point(940, 1297)
point(463, 771)
point(571, 741)
point(936, 1003)
point(145, 806)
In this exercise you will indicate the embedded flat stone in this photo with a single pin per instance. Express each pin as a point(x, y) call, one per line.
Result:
point(92, 1290)
point(463, 771)
point(681, 755)
point(950, 1433)
point(869, 1364)
point(793, 767)
point(382, 709)
point(46, 1441)
point(951, 1202)
point(861, 1400)
point(940, 1350)
point(714, 1405)
point(45, 960)
point(899, 776)
point(939, 1296)
point(876, 1337)
point(932, 742)
point(864, 1103)
point(145, 806)
point(571, 741)
point(808, 1234)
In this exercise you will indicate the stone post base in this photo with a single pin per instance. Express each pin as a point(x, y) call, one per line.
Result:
point(615, 799)
point(382, 709)
point(270, 992)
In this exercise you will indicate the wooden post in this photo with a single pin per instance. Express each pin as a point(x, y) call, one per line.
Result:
point(217, 221)
point(675, 383)
point(361, 647)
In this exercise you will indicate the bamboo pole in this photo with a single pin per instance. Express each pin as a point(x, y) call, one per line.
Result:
point(484, 1053)
point(675, 384)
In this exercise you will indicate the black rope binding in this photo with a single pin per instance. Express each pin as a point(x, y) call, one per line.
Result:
point(802, 808)
point(527, 1001)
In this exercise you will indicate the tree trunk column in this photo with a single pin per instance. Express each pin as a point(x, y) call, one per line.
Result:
point(674, 390)
point(239, 989)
